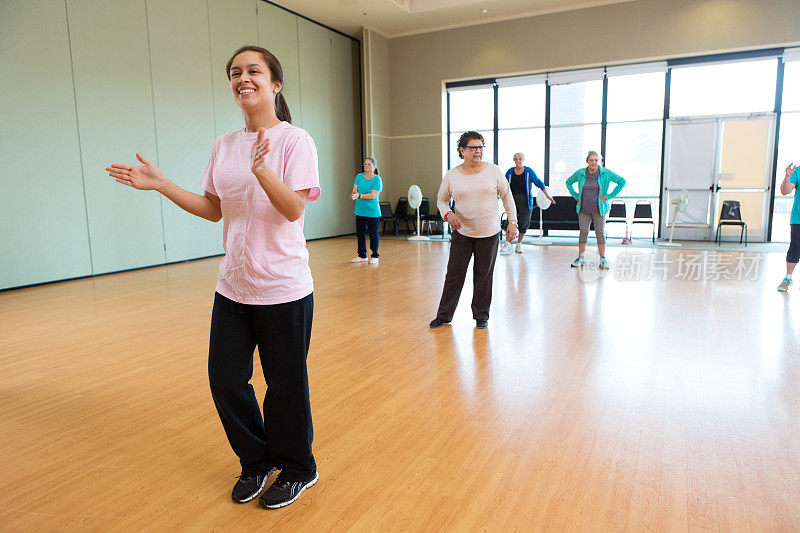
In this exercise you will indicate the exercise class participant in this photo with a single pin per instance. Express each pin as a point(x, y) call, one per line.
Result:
point(474, 186)
point(258, 181)
point(592, 196)
point(366, 189)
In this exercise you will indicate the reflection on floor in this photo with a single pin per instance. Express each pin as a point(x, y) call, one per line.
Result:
point(663, 395)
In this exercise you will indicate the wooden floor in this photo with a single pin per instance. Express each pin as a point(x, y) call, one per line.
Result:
point(614, 404)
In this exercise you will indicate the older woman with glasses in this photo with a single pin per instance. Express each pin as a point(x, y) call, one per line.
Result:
point(474, 186)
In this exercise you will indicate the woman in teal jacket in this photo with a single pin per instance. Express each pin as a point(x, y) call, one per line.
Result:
point(592, 196)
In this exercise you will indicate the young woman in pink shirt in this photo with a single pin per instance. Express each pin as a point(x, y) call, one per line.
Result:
point(257, 181)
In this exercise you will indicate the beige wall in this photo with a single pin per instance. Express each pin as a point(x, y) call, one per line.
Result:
point(376, 104)
point(620, 33)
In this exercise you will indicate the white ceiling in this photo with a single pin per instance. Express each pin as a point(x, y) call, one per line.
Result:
point(395, 18)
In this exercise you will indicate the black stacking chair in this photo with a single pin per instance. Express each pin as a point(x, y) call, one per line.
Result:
point(387, 217)
point(731, 215)
point(618, 214)
point(643, 214)
point(401, 212)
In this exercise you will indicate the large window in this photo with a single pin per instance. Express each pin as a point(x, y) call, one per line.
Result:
point(576, 113)
point(788, 149)
point(721, 89)
point(635, 113)
point(555, 119)
point(471, 108)
point(521, 120)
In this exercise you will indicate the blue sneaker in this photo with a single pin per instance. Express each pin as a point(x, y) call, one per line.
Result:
point(785, 284)
point(579, 262)
point(604, 264)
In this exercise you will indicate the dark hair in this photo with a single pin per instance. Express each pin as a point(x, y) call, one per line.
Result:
point(466, 137)
point(374, 165)
point(276, 72)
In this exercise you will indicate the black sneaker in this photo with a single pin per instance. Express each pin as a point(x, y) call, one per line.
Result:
point(438, 322)
point(482, 323)
point(248, 487)
point(282, 493)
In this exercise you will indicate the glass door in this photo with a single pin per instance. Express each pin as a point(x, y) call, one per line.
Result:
point(691, 156)
point(745, 167)
point(717, 159)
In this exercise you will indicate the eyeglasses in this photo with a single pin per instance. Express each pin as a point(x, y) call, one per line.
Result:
point(474, 148)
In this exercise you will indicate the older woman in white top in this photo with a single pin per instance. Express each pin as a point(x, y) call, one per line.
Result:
point(474, 186)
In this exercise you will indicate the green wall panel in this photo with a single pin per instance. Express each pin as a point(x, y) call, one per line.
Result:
point(184, 110)
point(43, 230)
point(277, 32)
point(317, 102)
point(117, 77)
point(233, 23)
point(111, 66)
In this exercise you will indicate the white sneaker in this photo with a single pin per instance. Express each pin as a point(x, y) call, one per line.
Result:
point(373, 260)
point(505, 248)
point(518, 248)
point(358, 260)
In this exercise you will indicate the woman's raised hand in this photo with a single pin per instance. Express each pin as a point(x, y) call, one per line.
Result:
point(258, 152)
point(789, 170)
point(145, 178)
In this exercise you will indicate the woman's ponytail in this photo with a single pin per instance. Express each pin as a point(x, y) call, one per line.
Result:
point(282, 109)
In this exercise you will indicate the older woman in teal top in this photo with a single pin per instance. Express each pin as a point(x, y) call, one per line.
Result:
point(592, 196)
point(366, 189)
point(790, 182)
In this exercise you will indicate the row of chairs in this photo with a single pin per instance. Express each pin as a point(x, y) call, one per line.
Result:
point(642, 214)
point(731, 215)
point(401, 215)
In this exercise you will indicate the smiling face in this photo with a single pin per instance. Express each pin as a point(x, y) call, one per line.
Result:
point(368, 166)
point(473, 152)
point(251, 81)
point(593, 163)
point(519, 159)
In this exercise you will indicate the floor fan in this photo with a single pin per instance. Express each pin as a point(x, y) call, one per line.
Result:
point(542, 202)
point(681, 202)
point(415, 200)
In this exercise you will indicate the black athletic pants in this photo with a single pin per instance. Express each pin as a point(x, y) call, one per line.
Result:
point(282, 333)
point(364, 225)
point(793, 254)
point(461, 251)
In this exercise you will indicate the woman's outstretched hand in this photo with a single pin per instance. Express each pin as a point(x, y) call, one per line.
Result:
point(790, 170)
point(145, 178)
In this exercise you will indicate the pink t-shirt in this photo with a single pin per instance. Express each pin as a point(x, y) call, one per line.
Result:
point(266, 260)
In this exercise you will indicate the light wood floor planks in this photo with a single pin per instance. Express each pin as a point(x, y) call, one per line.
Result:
point(665, 404)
